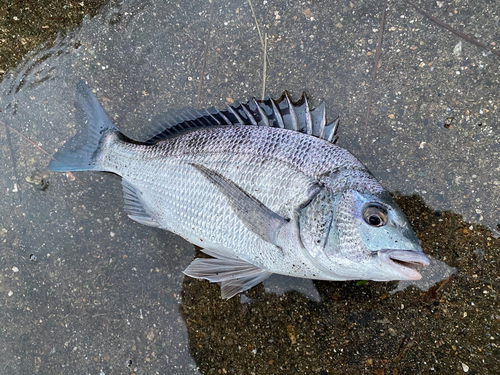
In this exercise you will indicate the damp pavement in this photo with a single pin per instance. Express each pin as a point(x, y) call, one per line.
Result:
point(85, 290)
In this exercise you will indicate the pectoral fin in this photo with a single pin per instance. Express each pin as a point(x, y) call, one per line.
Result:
point(253, 213)
point(234, 274)
point(134, 207)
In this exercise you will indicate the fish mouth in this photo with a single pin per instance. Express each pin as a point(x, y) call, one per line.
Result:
point(405, 262)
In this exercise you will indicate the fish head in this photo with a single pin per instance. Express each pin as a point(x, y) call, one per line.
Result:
point(356, 235)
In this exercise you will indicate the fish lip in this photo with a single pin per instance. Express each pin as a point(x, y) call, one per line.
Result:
point(404, 261)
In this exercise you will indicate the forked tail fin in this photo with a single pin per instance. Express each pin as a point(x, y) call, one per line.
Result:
point(79, 153)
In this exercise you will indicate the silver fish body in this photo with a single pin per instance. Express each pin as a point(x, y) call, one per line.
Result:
point(261, 187)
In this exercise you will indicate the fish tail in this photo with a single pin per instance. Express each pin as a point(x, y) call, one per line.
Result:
point(80, 152)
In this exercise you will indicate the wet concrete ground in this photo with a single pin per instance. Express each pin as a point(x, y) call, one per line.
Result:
point(85, 290)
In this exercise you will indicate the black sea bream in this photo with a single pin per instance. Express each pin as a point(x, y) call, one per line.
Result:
point(260, 187)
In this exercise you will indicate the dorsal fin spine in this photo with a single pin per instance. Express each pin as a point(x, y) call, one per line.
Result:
point(262, 114)
point(293, 115)
point(249, 114)
point(187, 121)
point(217, 122)
point(333, 135)
point(215, 112)
point(309, 125)
point(235, 114)
point(322, 124)
point(277, 115)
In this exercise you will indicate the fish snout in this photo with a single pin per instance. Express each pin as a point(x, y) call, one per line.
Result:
point(405, 262)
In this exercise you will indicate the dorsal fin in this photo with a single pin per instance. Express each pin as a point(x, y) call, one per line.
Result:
point(277, 113)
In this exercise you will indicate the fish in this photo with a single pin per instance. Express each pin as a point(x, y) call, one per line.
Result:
point(261, 187)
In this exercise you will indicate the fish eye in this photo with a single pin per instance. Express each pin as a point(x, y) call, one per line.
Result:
point(375, 215)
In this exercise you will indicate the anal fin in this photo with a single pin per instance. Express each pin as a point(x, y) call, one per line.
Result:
point(134, 207)
point(233, 274)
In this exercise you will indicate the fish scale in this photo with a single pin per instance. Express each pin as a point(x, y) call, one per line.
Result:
point(259, 186)
point(187, 200)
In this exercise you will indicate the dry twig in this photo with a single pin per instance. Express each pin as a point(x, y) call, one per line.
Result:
point(454, 31)
point(205, 52)
point(265, 67)
point(375, 67)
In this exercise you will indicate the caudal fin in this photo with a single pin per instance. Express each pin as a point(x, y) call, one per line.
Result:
point(79, 153)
